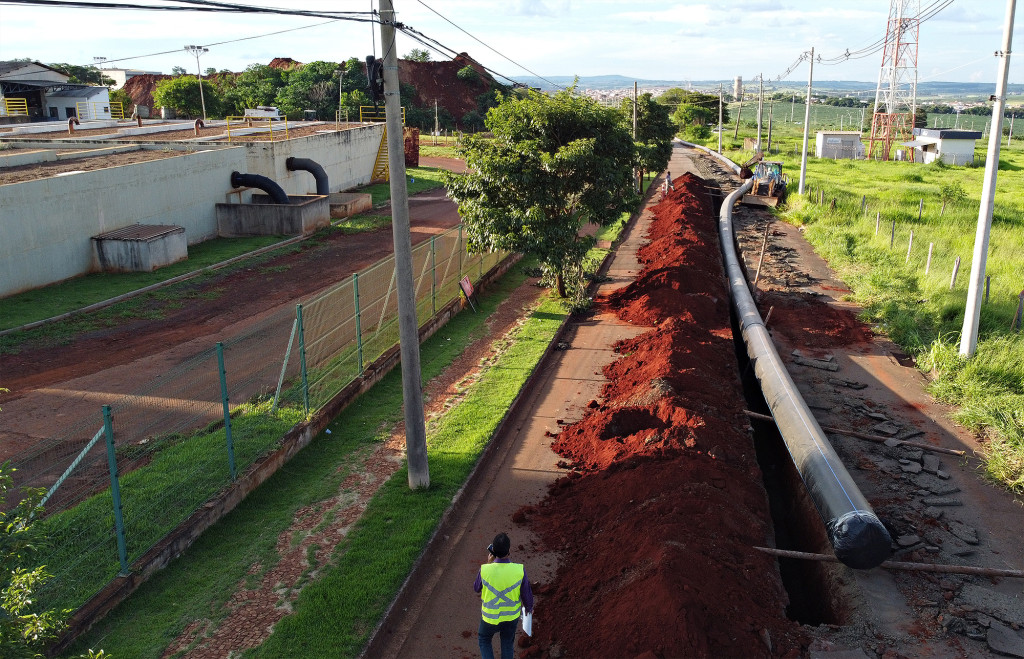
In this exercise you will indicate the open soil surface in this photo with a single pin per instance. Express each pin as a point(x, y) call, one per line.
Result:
point(87, 163)
point(657, 520)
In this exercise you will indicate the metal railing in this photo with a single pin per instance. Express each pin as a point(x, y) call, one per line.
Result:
point(91, 110)
point(258, 126)
point(12, 107)
point(122, 478)
point(374, 113)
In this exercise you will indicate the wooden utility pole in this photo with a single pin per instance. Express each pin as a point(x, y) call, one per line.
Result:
point(408, 330)
point(972, 313)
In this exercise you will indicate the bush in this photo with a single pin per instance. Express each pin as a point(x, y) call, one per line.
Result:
point(468, 74)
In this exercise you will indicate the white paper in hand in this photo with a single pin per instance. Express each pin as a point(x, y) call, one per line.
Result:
point(527, 622)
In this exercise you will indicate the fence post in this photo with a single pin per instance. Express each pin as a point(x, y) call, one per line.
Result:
point(1015, 325)
point(284, 365)
point(115, 490)
point(359, 320)
point(461, 250)
point(910, 245)
point(892, 236)
point(878, 219)
point(302, 359)
point(956, 269)
point(227, 409)
point(863, 202)
point(920, 209)
point(433, 277)
point(928, 265)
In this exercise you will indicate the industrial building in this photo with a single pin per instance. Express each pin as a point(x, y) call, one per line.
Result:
point(951, 145)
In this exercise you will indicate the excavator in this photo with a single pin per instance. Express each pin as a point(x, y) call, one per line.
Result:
point(769, 185)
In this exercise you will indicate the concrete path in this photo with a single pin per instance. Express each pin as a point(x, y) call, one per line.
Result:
point(443, 616)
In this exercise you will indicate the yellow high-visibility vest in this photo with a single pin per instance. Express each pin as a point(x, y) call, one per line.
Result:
point(500, 592)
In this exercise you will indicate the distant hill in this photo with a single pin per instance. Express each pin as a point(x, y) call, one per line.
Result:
point(851, 86)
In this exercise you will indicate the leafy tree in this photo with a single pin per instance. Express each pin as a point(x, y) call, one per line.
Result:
point(83, 75)
point(951, 193)
point(24, 632)
point(210, 70)
point(468, 74)
point(257, 85)
point(554, 164)
point(920, 118)
point(125, 99)
point(182, 94)
point(654, 131)
point(313, 86)
point(418, 55)
point(178, 71)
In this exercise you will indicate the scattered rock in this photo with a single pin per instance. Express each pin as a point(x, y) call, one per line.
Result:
point(963, 552)
point(877, 416)
point(942, 501)
point(966, 533)
point(941, 474)
point(934, 485)
point(931, 463)
point(934, 513)
point(885, 428)
point(850, 384)
point(892, 443)
point(911, 467)
point(908, 540)
point(1004, 640)
point(816, 363)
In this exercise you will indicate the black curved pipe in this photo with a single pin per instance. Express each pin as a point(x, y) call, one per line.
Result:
point(276, 192)
point(859, 538)
point(313, 168)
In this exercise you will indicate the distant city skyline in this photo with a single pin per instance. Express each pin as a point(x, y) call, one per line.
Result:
point(677, 41)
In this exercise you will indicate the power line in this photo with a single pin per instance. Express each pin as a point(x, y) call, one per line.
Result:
point(489, 47)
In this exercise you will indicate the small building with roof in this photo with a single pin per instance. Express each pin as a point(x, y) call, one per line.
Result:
point(838, 144)
point(39, 92)
point(953, 146)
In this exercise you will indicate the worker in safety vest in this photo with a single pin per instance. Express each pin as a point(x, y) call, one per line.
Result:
point(504, 590)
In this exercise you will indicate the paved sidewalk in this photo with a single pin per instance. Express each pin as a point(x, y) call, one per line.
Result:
point(443, 617)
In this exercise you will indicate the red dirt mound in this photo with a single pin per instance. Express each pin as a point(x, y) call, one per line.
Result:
point(656, 524)
point(805, 320)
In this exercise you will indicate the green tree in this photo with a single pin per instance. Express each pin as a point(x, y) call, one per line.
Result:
point(178, 71)
point(313, 86)
point(257, 85)
point(468, 74)
point(654, 131)
point(554, 164)
point(24, 631)
point(182, 94)
point(83, 75)
point(125, 99)
point(418, 55)
point(920, 118)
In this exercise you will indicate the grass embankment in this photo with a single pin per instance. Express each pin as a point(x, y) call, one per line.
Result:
point(919, 311)
point(335, 614)
point(57, 299)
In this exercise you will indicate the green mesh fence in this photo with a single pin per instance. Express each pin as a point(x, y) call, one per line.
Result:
point(170, 443)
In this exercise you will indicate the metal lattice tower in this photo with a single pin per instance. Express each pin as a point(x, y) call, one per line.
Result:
point(896, 94)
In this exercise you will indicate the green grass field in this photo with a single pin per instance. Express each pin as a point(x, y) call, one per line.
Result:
point(916, 309)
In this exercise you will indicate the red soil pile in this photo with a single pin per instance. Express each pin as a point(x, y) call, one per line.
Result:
point(437, 81)
point(656, 523)
point(807, 321)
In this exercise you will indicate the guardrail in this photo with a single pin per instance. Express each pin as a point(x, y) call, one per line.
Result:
point(91, 110)
point(257, 123)
point(12, 107)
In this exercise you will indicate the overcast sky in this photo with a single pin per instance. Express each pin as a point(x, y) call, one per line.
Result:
point(661, 40)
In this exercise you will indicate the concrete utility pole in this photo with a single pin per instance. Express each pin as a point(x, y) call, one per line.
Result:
point(408, 329)
point(719, 118)
point(760, 108)
point(972, 313)
point(637, 175)
point(807, 122)
point(197, 51)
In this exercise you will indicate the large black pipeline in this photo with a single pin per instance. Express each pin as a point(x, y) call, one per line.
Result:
point(314, 168)
point(858, 537)
point(276, 192)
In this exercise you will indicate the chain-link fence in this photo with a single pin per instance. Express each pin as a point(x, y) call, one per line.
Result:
point(120, 480)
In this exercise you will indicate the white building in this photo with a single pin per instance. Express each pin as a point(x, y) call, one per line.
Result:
point(838, 144)
point(953, 146)
point(121, 76)
point(41, 93)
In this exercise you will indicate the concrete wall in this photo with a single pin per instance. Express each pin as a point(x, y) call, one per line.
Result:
point(46, 225)
point(957, 152)
point(347, 156)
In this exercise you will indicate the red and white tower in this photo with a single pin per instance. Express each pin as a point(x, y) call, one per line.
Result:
point(896, 95)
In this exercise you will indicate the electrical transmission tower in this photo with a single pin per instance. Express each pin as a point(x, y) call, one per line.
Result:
point(896, 94)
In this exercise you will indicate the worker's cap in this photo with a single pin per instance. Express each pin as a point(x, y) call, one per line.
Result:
point(500, 546)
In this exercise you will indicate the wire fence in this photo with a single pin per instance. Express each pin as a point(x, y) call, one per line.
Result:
point(121, 479)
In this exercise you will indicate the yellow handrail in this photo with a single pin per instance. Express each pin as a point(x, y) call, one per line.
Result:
point(251, 121)
point(374, 113)
point(13, 106)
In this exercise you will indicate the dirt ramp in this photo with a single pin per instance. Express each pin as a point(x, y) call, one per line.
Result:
point(657, 521)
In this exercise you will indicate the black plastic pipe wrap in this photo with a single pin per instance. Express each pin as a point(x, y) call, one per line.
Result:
point(858, 537)
point(314, 168)
point(276, 192)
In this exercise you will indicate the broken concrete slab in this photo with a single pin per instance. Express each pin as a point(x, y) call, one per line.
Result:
point(968, 534)
point(849, 384)
point(908, 540)
point(885, 428)
point(935, 485)
point(911, 467)
point(1004, 640)
point(931, 463)
point(1008, 608)
point(820, 364)
point(942, 501)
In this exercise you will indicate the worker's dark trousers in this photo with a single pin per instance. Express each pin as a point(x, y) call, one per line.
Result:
point(507, 633)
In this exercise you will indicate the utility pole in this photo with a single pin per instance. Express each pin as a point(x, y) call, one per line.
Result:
point(197, 51)
point(739, 111)
point(760, 109)
point(792, 108)
point(720, 118)
point(437, 125)
point(637, 174)
point(412, 394)
point(771, 108)
point(972, 313)
point(807, 121)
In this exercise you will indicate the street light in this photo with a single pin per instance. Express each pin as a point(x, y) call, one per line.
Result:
point(197, 51)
